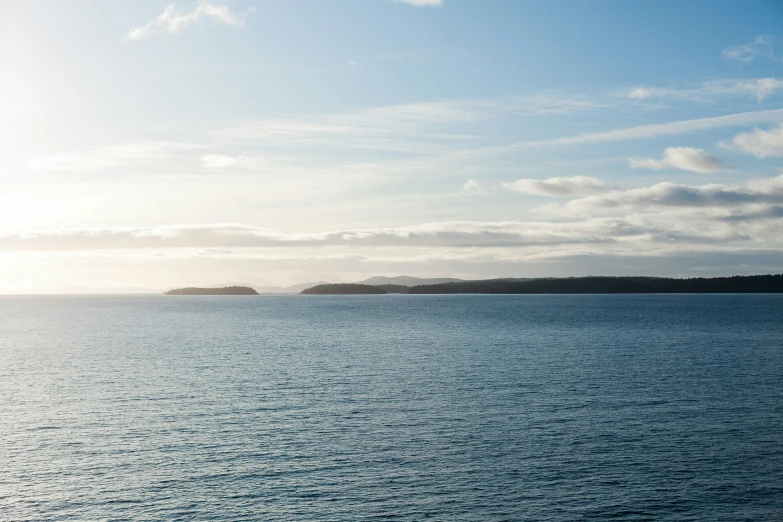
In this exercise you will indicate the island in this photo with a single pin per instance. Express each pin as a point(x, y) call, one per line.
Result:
point(394, 289)
point(343, 289)
point(611, 285)
point(228, 290)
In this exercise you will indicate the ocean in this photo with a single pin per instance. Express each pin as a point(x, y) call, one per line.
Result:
point(399, 407)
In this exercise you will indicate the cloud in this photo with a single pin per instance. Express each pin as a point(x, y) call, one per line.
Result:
point(758, 88)
point(173, 21)
point(760, 143)
point(109, 157)
point(371, 122)
point(683, 158)
point(760, 47)
point(436, 242)
point(558, 187)
point(640, 93)
point(766, 191)
point(408, 122)
point(471, 187)
point(663, 129)
point(222, 161)
point(421, 3)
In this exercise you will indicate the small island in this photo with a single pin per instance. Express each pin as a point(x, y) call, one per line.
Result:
point(343, 289)
point(228, 290)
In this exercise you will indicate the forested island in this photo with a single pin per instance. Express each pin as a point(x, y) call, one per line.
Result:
point(394, 289)
point(572, 285)
point(344, 289)
point(755, 284)
point(228, 290)
point(611, 285)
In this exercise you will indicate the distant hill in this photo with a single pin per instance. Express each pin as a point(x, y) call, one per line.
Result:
point(610, 285)
point(407, 280)
point(228, 290)
point(344, 289)
point(294, 289)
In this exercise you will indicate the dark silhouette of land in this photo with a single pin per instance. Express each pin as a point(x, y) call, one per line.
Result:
point(229, 290)
point(611, 285)
point(394, 289)
point(344, 289)
point(756, 284)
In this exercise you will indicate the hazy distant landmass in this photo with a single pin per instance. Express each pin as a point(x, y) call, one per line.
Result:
point(610, 285)
point(293, 289)
point(228, 290)
point(344, 289)
point(407, 280)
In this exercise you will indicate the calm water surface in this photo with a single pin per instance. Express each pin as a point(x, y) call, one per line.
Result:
point(401, 407)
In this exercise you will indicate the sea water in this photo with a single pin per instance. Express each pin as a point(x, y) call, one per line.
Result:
point(457, 407)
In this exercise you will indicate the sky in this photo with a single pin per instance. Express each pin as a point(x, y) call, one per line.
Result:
point(149, 145)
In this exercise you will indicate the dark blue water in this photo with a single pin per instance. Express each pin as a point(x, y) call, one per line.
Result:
point(400, 407)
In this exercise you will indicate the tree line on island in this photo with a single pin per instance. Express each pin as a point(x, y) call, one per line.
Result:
point(574, 285)
point(566, 285)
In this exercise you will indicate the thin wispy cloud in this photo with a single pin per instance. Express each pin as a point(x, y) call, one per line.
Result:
point(663, 129)
point(680, 158)
point(396, 119)
point(758, 88)
point(110, 157)
point(759, 48)
point(173, 20)
point(223, 161)
point(421, 3)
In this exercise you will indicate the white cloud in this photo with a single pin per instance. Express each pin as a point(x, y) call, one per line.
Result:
point(471, 187)
point(760, 143)
point(173, 21)
point(558, 187)
point(421, 3)
point(758, 88)
point(640, 93)
point(760, 47)
point(683, 158)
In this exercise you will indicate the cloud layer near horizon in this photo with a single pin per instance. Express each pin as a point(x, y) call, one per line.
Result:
point(690, 215)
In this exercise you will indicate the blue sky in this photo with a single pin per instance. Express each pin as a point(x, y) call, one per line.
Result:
point(150, 144)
